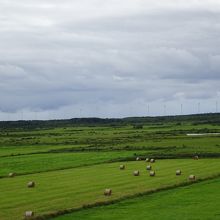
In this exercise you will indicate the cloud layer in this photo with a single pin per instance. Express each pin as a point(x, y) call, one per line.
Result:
point(101, 58)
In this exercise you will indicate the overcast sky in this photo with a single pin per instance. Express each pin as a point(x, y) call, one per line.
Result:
point(84, 58)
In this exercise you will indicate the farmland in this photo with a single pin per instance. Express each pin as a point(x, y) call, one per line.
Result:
point(73, 161)
point(72, 188)
point(182, 203)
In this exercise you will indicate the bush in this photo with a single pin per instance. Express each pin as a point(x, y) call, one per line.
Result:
point(138, 126)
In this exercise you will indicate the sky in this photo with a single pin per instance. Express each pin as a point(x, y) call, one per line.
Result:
point(95, 58)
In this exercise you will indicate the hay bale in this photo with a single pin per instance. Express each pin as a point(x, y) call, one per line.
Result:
point(152, 160)
point(31, 184)
point(138, 158)
point(122, 167)
point(11, 174)
point(192, 177)
point(136, 173)
point(148, 167)
point(178, 172)
point(196, 157)
point(107, 192)
point(147, 160)
point(152, 173)
point(28, 214)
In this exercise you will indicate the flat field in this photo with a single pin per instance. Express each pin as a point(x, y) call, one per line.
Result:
point(73, 162)
point(199, 201)
point(73, 188)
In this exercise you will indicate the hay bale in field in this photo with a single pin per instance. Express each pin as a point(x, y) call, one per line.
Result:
point(136, 173)
point(138, 158)
point(192, 177)
point(147, 160)
point(152, 173)
point(122, 167)
point(196, 157)
point(178, 172)
point(107, 192)
point(152, 160)
point(11, 174)
point(148, 167)
point(31, 184)
point(28, 214)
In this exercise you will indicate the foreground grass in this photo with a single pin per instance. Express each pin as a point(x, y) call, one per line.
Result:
point(198, 201)
point(74, 188)
point(26, 164)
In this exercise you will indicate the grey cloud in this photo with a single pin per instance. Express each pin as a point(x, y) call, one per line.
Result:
point(77, 53)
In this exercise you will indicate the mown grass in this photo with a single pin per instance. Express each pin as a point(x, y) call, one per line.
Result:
point(43, 149)
point(74, 188)
point(54, 161)
point(198, 201)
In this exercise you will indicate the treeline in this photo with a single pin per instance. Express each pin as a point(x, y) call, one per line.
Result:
point(210, 118)
point(196, 119)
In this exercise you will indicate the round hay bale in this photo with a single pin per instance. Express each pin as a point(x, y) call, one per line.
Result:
point(196, 157)
point(152, 160)
point(31, 184)
point(192, 177)
point(138, 158)
point(28, 214)
point(148, 167)
point(107, 192)
point(136, 173)
point(147, 160)
point(122, 167)
point(178, 172)
point(152, 173)
point(11, 174)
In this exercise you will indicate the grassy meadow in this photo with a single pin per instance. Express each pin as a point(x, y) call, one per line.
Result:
point(73, 161)
point(72, 188)
point(36, 163)
point(198, 201)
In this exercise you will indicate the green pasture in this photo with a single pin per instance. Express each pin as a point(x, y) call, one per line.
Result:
point(34, 149)
point(73, 161)
point(73, 188)
point(198, 201)
point(159, 146)
point(161, 139)
point(26, 164)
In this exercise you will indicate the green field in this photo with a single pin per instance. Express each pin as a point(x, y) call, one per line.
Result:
point(200, 201)
point(73, 161)
point(27, 164)
point(159, 139)
point(73, 188)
